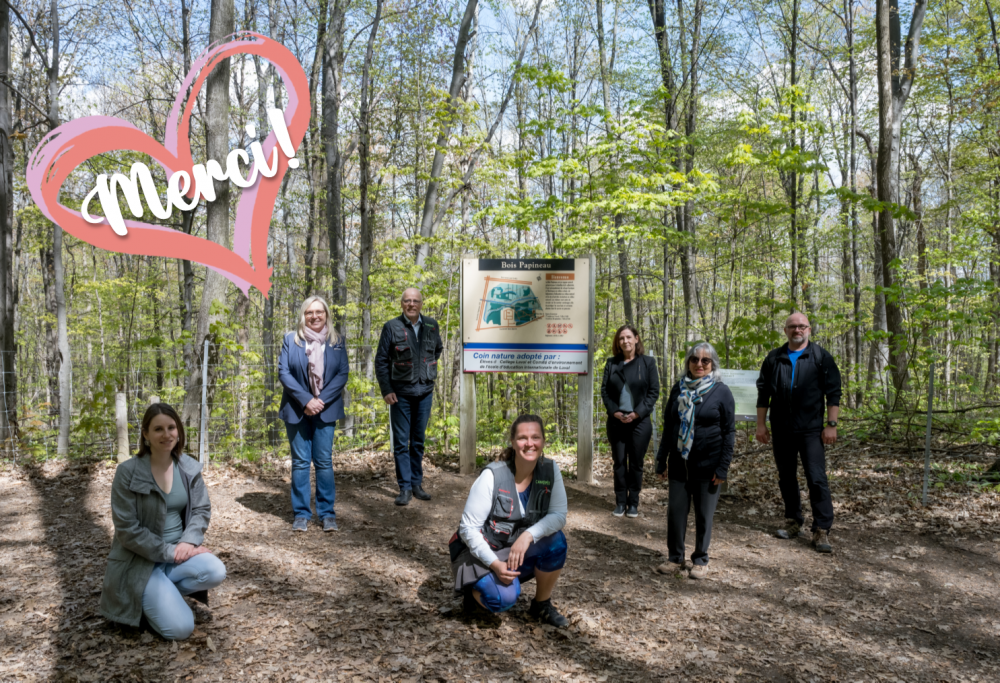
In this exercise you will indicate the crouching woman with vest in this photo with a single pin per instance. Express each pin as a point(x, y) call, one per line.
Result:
point(511, 529)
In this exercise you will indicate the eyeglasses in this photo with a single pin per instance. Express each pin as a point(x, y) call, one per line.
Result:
point(320, 314)
point(700, 361)
point(411, 301)
point(796, 327)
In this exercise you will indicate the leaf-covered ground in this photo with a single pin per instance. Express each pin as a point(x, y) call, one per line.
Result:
point(910, 593)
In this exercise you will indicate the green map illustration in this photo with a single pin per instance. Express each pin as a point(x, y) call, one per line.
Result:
point(518, 300)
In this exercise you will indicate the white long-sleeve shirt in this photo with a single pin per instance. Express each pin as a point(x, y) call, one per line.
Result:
point(480, 502)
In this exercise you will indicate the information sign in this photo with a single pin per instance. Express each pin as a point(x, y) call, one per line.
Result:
point(526, 315)
point(743, 384)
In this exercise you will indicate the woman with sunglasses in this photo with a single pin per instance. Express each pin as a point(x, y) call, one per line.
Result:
point(699, 429)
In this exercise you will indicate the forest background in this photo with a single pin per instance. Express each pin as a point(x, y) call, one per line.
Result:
point(725, 162)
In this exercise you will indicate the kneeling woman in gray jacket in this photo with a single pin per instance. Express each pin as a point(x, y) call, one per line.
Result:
point(160, 509)
point(511, 529)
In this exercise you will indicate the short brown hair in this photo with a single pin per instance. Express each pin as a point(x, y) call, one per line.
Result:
point(161, 409)
point(616, 349)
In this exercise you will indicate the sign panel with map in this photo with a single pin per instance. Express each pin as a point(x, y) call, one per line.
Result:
point(526, 315)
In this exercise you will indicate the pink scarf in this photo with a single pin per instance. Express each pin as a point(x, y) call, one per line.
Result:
point(315, 348)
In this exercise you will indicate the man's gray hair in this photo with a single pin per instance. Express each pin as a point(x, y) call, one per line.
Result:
point(703, 346)
point(416, 289)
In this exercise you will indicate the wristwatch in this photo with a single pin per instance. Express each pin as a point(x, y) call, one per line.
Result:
point(831, 423)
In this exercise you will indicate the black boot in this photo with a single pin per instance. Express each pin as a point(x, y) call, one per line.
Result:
point(404, 497)
point(547, 614)
point(420, 494)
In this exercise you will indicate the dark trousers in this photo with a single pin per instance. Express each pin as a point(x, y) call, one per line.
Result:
point(705, 496)
point(788, 449)
point(408, 418)
point(628, 449)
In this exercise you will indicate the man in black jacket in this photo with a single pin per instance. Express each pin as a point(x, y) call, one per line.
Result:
point(406, 366)
point(795, 382)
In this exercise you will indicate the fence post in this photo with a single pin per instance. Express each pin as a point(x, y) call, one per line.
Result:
point(121, 425)
point(203, 436)
point(927, 444)
point(585, 396)
point(467, 401)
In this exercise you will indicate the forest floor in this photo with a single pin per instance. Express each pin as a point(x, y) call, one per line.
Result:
point(910, 593)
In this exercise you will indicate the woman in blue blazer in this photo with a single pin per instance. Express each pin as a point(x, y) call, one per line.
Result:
point(313, 371)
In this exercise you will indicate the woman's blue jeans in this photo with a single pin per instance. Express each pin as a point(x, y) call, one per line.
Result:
point(545, 555)
point(163, 601)
point(311, 441)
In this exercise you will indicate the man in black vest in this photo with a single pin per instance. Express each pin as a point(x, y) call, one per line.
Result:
point(406, 365)
point(795, 382)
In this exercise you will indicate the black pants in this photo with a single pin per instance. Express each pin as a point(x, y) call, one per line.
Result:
point(788, 448)
point(628, 449)
point(705, 496)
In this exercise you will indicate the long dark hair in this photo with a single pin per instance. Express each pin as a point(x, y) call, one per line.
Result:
point(508, 453)
point(616, 349)
point(151, 412)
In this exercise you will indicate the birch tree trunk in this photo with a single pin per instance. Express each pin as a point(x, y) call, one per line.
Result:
point(65, 361)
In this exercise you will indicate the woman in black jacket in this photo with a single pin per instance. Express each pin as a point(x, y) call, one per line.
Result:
point(699, 429)
point(629, 390)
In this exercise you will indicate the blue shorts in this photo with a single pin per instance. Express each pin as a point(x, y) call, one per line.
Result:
point(546, 555)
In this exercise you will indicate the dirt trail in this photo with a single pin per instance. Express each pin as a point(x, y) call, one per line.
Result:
point(372, 601)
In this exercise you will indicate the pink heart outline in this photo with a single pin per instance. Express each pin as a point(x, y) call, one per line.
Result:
point(74, 142)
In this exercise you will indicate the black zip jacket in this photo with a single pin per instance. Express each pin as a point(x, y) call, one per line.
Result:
point(645, 389)
point(801, 408)
point(714, 437)
point(405, 365)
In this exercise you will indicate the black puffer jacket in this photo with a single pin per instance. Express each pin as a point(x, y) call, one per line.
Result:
point(714, 437)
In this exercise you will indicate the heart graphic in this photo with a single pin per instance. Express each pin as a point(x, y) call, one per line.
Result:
point(74, 142)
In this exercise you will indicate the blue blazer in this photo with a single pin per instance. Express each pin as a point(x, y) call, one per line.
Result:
point(293, 372)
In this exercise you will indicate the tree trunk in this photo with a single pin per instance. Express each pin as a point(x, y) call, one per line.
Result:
point(185, 270)
point(65, 360)
point(894, 85)
point(367, 229)
point(8, 283)
point(218, 229)
point(437, 165)
point(333, 64)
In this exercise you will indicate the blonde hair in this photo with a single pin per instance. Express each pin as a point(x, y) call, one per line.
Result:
point(332, 337)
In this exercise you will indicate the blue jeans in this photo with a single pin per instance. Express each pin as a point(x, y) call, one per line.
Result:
point(546, 555)
point(311, 441)
point(162, 600)
point(408, 418)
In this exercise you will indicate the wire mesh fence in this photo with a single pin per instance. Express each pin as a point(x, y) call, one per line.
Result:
point(240, 403)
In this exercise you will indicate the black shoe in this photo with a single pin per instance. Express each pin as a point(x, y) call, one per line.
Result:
point(420, 494)
point(619, 510)
point(633, 511)
point(404, 497)
point(547, 614)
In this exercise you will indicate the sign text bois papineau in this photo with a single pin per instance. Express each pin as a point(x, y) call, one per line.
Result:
point(526, 315)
